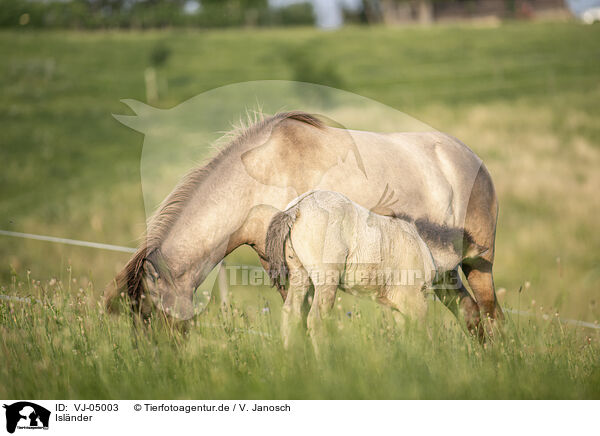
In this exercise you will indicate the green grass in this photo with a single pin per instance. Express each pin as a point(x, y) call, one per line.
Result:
point(523, 96)
point(80, 353)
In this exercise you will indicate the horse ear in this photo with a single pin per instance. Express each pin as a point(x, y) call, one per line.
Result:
point(139, 121)
point(150, 269)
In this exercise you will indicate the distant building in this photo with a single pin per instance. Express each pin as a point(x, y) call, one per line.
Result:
point(528, 9)
point(330, 13)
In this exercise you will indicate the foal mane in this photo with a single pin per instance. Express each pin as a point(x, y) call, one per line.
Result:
point(129, 280)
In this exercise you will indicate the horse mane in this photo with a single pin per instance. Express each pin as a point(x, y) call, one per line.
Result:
point(129, 280)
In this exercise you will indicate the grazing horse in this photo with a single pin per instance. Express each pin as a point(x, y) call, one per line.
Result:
point(230, 202)
point(325, 241)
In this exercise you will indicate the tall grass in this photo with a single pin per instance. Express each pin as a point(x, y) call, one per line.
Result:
point(64, 346)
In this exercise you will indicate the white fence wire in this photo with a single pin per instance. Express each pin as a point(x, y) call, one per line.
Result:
point(122, 249)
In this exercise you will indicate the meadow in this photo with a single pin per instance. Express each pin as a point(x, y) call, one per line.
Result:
point(523, 96)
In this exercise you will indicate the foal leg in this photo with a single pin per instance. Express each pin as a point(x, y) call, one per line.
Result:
point(323, 301)
point(406, 303)
point(293, 313)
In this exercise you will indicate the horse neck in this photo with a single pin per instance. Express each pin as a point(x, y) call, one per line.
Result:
point(228, 209)
point(254, 229)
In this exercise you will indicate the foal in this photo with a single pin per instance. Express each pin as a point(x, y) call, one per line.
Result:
point(325, 240)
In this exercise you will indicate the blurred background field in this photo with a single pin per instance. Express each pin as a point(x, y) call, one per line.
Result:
point(523, 95)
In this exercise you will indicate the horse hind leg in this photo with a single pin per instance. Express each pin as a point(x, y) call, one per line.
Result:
point(480, 278)
point(480, 224)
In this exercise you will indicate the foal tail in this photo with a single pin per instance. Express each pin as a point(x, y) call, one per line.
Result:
point(277, 235)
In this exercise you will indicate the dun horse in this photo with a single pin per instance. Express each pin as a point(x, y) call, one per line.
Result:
point(325, 241)
point(231, 201)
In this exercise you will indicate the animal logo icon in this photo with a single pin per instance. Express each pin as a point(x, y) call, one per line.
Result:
point(26, 415)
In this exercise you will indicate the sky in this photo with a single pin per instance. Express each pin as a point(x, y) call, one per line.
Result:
point(328, 12)
point(580, 6)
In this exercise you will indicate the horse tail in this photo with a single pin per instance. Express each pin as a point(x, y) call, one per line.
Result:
point(278, 234)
